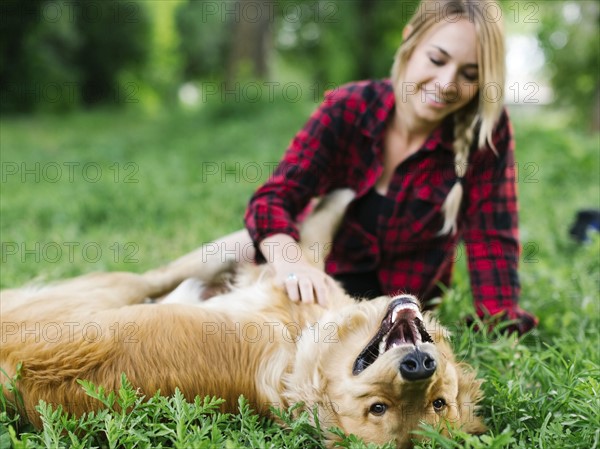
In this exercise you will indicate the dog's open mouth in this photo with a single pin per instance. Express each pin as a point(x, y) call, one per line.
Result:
point(401, 326)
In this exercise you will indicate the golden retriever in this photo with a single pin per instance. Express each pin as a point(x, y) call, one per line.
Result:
point(373, 368)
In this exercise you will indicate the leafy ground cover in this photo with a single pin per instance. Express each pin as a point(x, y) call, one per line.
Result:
point(127, 190)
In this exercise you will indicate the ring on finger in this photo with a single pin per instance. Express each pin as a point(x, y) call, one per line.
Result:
point(291, 277)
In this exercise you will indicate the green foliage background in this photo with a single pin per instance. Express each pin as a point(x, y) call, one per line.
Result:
point(131, 51)
point(573, 55)
point(59, 55)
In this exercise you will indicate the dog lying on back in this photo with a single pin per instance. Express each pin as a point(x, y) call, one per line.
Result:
point(376, 369)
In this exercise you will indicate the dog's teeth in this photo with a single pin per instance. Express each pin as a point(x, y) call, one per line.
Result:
point(401, 307)
point(382, 344)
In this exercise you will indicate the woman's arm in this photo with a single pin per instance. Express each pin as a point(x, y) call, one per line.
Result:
point(310, 167)
point(491, 232)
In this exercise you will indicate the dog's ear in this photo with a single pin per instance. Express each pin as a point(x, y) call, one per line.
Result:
point(469, 395)
point(475, 426)
point(469, 387)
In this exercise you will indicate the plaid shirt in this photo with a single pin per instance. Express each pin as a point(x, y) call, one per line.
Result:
point(342, 146)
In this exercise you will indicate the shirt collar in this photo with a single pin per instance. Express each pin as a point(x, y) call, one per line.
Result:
point(380, 109)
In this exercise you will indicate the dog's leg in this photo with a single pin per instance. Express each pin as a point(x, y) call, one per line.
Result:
point(319, 228)
point(223, 255)
point(189, 292)
point(206, 263)
point(91, 293)
point(97, 291)
point(317, 232)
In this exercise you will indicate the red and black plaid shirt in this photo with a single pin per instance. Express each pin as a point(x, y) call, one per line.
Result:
point(342, 146)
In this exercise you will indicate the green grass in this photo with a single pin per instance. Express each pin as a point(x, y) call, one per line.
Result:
point(136, 190)
point(130, 420)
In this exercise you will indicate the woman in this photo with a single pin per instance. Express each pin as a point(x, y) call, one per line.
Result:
point(430, 155)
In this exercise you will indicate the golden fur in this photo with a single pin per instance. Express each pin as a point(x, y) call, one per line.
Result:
point(251, 340)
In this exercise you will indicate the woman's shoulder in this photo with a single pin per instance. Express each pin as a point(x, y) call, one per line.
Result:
point(502, 132)
point(359, 94)
point(502, 135)
point(496, 156)
point(503, 121)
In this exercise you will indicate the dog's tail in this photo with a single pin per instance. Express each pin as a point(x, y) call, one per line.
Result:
point(319, 228)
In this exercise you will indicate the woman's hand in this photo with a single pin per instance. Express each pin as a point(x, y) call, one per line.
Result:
point(509, 321)
point(300, 279)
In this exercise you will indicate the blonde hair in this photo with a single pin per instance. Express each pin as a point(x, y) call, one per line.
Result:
point(482, 113)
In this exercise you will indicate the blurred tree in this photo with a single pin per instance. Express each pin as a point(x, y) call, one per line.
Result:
point(320, 38)
point(251, 45)
point(163, 71)
point(205, 38)
point(330, 42)
point(37, 47)
point(57, 55)
point(226, 39)
point(368, 37)
point(568, 33)
point(114, 37)
point(388, 20)
point(340, 41)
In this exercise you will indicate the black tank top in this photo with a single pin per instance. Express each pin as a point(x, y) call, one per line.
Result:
point(365, 285)
point(367, 210)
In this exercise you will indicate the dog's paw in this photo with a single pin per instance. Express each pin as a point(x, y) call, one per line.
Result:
point(189, 291)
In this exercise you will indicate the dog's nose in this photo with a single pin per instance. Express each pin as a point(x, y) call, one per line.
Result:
point(417, 365)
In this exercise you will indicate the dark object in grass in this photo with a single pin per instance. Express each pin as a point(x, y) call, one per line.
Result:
point(587, 222)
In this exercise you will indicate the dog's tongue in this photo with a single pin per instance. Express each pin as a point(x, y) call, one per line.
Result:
point(404, 328)
point(404, 332)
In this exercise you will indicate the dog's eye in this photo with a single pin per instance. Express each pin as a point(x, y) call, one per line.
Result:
point(378, 409)
point(439, 404)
